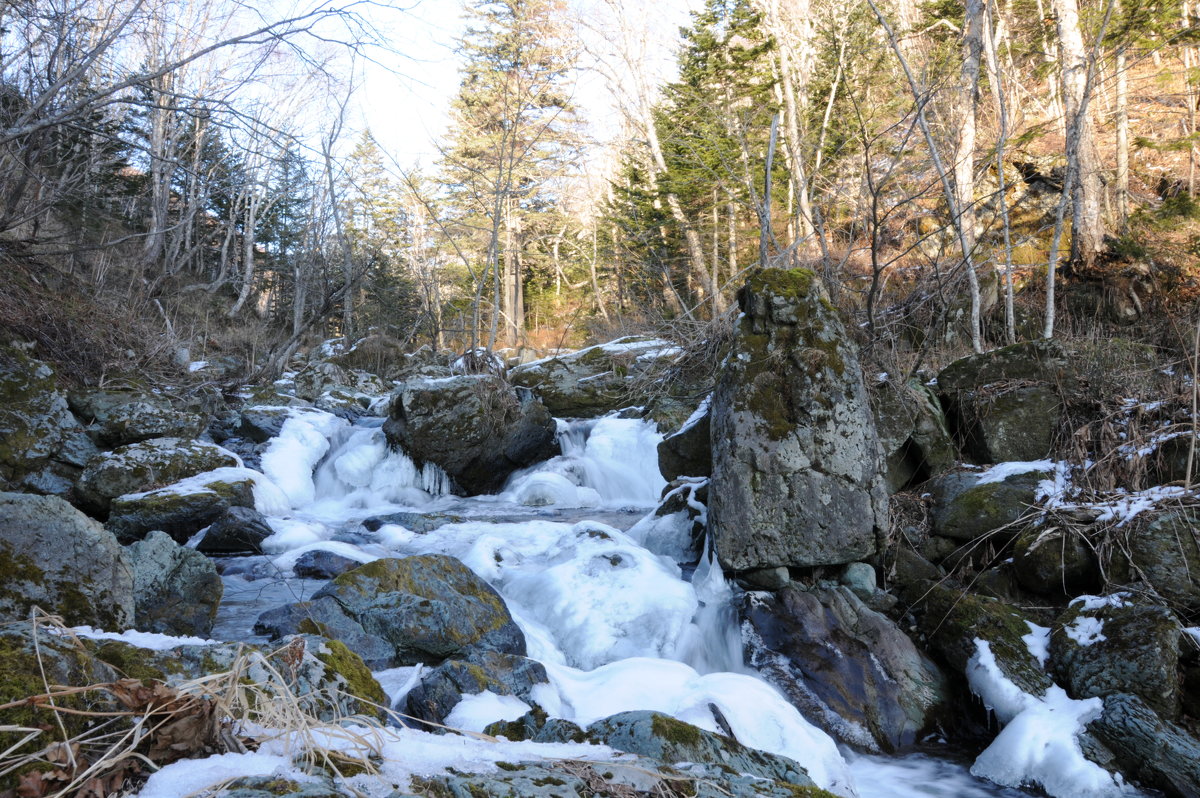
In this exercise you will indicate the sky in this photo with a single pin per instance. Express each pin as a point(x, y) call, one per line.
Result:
point(404, 100)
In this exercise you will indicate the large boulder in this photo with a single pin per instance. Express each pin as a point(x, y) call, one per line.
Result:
point(1006, 404)
point(968, 505)
point(476, 427)
point(182, 509)
point(847, 668)
point(1053, 559)
point(237, 530)
point(592, 381)
point(43, 447)
point(913, 434)
point(1105, 646)
point(443, 687)
point(54, 557)
point(422, 609)
point(797, 475)
point(1161, 549)
point(1156, 752)
point(116, 418)
point(145, 465)
point(687, 452)
point(176, 590)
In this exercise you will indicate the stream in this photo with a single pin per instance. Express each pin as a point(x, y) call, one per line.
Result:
point(592, 579)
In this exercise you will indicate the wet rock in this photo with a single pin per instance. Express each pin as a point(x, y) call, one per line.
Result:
point(183, 509)
point(237, 530)
point(116, 418)
point(847, 668)
point(442, 688)
point(260, 423)
point(688, 451)
point(176, 590)
point(676, 527)
point(592, 381)
point(1055, 561)
point(913, 434)
point(142, 466)
point(476, 427)
point(325, 617)
point(321, 564)
point(1156, 752)
point(1005, 405)
point(54, 557)
point(43, 447)
point(797, 475)
point(968, 505)
point(1100, 647)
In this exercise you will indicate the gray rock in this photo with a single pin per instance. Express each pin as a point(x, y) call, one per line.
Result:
point(54, 557)
point(325, 617)
point(237, 530)
point(144, 465)
point(688, 451)
point(1156, 752)
point(847, 668)
point(1056, 561)
point(766, 578)
point(476, 427)
point(443, 687)
point(913, 434)
point(796, 466)
point(321, 564)
point(860, 578)
point(176, 590)
point(278, 787)
point(121, 417)
point(1122, 647)
point(43, 446)
point(260, 423)
point(179, 511)
point(964, 509)
point(1164, 550)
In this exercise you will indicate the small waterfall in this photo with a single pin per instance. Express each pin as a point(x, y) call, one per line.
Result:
point(364, 470)
point(616, 457)
point(714, 644)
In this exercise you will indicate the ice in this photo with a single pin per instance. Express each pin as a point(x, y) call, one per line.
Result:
point(1002, 471)
point(397, 682)
point(192, 776)
point(290, 456)
point(1038, 642)
point(617, 457)
point(294, 533)
point(1038, 745)
point(544, 488)
point(476, 712)
point(285, 562)
point(1086, 630)
point(196, 365)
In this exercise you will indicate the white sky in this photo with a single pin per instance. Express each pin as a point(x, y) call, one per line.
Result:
point(406, 104)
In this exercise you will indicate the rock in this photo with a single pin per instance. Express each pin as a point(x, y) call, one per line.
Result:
point(183, 509)
point(144, 465)
point(237, 530)
point(379, 354)
point(443, 687)
point(796, 467)
point(121, 417)
point(860, 578)
point(913, 434)
point(1169, 461)
point(176, 590)
point(278, 787)
point(847, 668)
point(1055, 561)
point(1101, 647)
point(688, 451)
point(952, 620)
point(676, 527)
point(260, 423)
point(54, 557)
point(593, 381)
point(1005, 405)
point(43, 447)
point(321, 564)
point(968, 505)
point(765, 578)
point(1163, 548)
point(476, 427)
point(425, 609)
point(1156, 752)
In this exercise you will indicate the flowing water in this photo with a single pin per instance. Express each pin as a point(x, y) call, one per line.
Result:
point(591, 578)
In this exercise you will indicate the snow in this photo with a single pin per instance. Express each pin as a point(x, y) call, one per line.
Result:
point(192, 776)
point(1094, 603)
point(150, 640)
point(1086, 630)
point(197, 365)
point(1038, 642)
point(1038, 745)
point(476, 712)
point(1194, 633)
point(699, 413)
point(1002, 471)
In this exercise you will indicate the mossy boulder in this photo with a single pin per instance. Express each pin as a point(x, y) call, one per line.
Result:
point(476, 427)
point(176, 590)
point(1054, 560)
point(797, 473)
point(913, 433)
point(326, 617)
point(116, 418)
point(597, 380)
point(43, 447)
point(182, 509)
point(1006, 404)
point(952, 619)
point(54, 557)
point(1160, 549)
point(847, 668)
point(1101, 647)
point(968, 505)
point(144, 466)
point(443, 687)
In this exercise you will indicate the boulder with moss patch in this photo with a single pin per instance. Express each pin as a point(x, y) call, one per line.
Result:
point(443, 687)
point(144, 466)
point(116, 418)
point(1161, 549)
point(1055, 560)
point(797, 477)
point(176, 590)
point(54, 557)
point(1158, 753)
point(476, 427)
point(182, 509)
point(687, 452)
point(913, 433)
point(968, 505)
